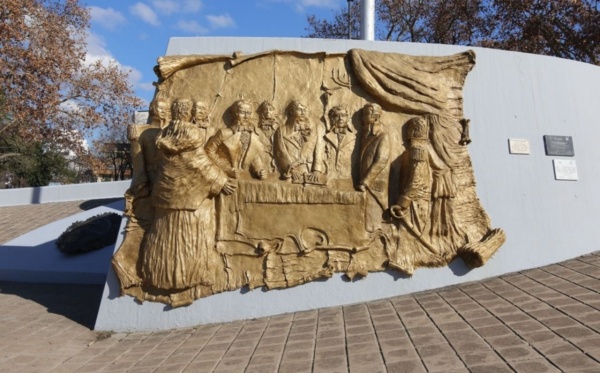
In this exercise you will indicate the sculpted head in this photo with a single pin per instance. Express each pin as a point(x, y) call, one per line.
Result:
point(339, 116)
point(296, 109)
point(159, 110)
point(417, 128)
point(179, 137)
point(242, 112)
point(371, 113)
point(266, 110)
point(199, 112)
point(181, 109)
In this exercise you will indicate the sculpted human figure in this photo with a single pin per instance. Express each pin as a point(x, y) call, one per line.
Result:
point(374, 170)
point(145, 158)
point(143, 149)
point(340, 141)
point(201, 120)
point(424, 179)
point(176, 250)
point(298, 147)
point(238, 147)
point(181, 110)
point(267, 124)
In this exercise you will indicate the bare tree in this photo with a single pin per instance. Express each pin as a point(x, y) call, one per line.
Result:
point(338, 28)
point(562, 28)
point(113, 152)
point(49, 91)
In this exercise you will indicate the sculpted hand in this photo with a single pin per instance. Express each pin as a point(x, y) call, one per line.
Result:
point(229, 187)
point(398, 211)
point(143, 190)
point(232, 173)
point(314, 177)
point(132, 132)
point(262, 174)
point(297, 176)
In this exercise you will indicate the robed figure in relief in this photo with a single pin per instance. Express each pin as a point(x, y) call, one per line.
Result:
point(238, 148)
point(424, 208)
point(374, 166)
point(145, 158)
point(340, 142)
point(298, 147)
point(176, 251)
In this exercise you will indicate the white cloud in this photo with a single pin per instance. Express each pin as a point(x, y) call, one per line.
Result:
point(135, 79)
point(146, 86)
point(168, 7)
point(319, 3)
point(191, 27)
point(144, 12)
point(192, 6)
point(221, 21)
point(70, 106)
point(301, 5)
point(135, 76)
point(29, 20)
point(96, 51)
point(96, 48)
point(107, 18)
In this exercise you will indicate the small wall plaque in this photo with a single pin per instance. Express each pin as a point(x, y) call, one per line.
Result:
point(518, 146)
point(565, 169)
point(559, 145)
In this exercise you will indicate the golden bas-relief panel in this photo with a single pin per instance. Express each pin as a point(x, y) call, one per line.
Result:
point(279, 168)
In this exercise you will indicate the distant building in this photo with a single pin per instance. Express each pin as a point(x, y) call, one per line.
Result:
point(140, 117)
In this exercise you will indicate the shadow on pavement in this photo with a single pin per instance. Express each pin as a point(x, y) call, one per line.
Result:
point(78, 303)
point(91, 204)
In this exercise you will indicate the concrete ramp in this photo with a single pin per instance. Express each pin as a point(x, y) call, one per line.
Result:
point(33, 257)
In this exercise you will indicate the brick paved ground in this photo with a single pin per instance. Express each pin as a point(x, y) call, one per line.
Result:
point(541, 320)
point(18, 220)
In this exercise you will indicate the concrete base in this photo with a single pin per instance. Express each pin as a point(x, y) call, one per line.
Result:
point(34, 257)
point(507, 95)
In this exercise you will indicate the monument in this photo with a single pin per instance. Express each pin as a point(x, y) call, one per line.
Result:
point(282, 167)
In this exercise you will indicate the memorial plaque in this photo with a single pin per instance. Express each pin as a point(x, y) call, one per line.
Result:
point(565, 169)
point(518, 146)
point(559, 145)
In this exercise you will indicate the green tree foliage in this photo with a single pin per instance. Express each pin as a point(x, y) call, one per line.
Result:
point(35, 164)
point(562, 28)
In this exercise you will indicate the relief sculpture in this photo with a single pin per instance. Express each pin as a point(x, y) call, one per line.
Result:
point(299, 146)
point(279, 168)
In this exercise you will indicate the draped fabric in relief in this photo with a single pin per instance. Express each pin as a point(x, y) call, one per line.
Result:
point(413, 84)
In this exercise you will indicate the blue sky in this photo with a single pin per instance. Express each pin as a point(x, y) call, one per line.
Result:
point(136, 33)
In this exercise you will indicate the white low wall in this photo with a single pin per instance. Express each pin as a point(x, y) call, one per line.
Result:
point(507, 95)
point(63, 193)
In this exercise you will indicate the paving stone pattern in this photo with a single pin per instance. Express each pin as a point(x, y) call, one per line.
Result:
point(18, 220)
point(541, 320)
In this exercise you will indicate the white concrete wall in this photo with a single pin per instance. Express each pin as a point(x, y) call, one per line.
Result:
point(507, 95)
point(62, 193)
